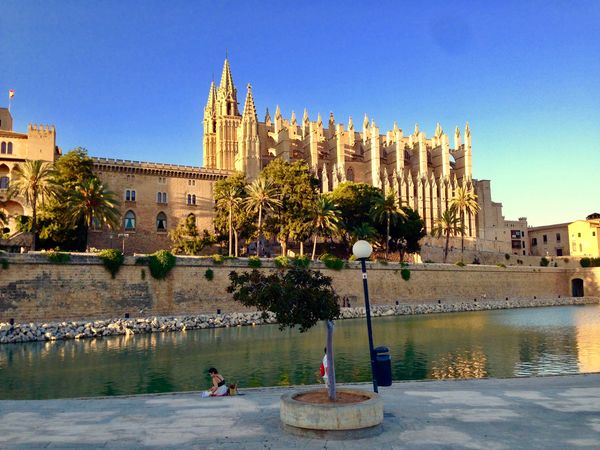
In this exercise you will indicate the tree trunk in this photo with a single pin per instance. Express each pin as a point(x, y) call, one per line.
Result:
point(462, 235)
point(387, 237)
point(330, 366)
point(230, 229)
point(446, 247)
point(301, 248)
point(237, 246)
point(259, 231)
point(34, 221)
point(314, 247)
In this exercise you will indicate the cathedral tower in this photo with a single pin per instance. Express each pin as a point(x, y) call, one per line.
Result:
point(227, 121)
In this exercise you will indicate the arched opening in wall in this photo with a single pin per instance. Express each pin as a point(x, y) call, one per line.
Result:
point(129, 221)
point(577, 287)
point(4, 178)
point(9, 148)
point(161, 222)
point(350, 174)
point(3, 148)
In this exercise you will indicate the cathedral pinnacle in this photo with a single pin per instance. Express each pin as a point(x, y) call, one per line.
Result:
point(467, 131)
point(226, 78)
point(268, 118)
point(438, 131)
point(249, 108)
point(366, 121)
point(293, 120)
point(416, 133)
point(319, 120)
point(212, 97)
point(277, 113)
point(350, 123)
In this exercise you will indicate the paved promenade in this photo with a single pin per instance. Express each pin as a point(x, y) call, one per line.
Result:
point(551, 412)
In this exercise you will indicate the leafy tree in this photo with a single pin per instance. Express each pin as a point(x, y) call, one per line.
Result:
point(33, 181)
point(187, 240)
point(464, 201)
point(325, 220)
point(407, 233)
point(447, 224)
point(385, 211)
point(89, 202)
point(262, 196)
point(298, 192)
point(229, 195)
point(297, 296)
point(355, 202)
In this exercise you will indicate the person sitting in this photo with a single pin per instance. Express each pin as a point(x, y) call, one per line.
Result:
point(219, 387)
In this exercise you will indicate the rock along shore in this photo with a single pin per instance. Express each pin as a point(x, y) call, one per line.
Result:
point(31, 332)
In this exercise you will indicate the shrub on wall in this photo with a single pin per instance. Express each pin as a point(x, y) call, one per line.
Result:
point(301, 261)
point(112, 259)
point(501, 265)
point(254, 262)
point(161, 263)
point(459, 264)
point(218, 259)
point(58, 257)
point(282, 261)
point(4, 263)
point(544, 262)
point(589, 262)
point(209, 274)
point(405, 272)
point(332, 262)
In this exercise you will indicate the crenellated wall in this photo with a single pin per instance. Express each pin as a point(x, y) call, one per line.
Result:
point(33, 289)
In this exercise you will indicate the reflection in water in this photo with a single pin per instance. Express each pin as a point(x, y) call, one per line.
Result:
point(461, 345)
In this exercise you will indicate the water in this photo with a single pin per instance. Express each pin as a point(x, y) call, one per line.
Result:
point(522, 342)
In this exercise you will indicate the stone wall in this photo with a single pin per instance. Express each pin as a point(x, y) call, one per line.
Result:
point(33, 289)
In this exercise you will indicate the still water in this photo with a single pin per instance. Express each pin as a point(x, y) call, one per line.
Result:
point(506, 343)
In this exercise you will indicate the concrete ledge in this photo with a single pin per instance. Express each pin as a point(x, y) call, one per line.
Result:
point(312, 419)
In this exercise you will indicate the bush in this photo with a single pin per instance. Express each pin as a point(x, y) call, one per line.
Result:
point(352, 258)
point(161, 263)
point(282, 262)
point(301, 261)
point(501, 265)
point(254, 262)
point(218, 259)
point(58, 257)
point(4, 264)
point(112, 259)
point(459, 264)
point(544, 262)
point(209, 274)
point(405, 272)
point(506, 256)
point(589, 262)
point(332, 262)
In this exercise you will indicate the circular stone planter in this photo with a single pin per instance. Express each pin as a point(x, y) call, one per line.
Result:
point(332, 420)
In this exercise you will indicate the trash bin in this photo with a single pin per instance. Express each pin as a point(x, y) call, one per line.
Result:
point(383, 366)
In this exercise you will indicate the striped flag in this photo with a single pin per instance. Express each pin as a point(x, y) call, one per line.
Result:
point(11, 93)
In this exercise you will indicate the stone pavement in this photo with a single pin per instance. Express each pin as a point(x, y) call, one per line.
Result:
point(547, 412)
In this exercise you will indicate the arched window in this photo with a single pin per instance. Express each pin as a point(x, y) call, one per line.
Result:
point(158, 197)
point(164, 197)
point(9, 151)
point(350, 174)
point(161, 222)
point(129, 220)
point(193, 199)
point(3, 148)
point(189, 199)
point(4, 181)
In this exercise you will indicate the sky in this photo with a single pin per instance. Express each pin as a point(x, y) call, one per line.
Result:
point(129, 79)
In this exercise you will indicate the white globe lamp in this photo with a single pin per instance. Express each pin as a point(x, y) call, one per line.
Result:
point(362, 249)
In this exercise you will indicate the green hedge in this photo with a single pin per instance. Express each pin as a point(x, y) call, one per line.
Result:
point(112, 259)
point(254, 262)
point(161, 263)
point(58, 257)
point(589, 262)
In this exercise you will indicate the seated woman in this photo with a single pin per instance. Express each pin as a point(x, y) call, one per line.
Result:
point(219, 387)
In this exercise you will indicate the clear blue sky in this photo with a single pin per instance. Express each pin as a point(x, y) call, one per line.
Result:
point(129, 79)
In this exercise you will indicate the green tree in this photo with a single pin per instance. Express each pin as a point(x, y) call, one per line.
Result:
point(33, 181)
point(298, 192)
point(91, 202)
point(446, 225)
point(355, 202)
point(325, 220)
point(262, 197)
point(187, 239)
point(385, 211)
point(229, 195)
point(464, 201)
point(407, 233)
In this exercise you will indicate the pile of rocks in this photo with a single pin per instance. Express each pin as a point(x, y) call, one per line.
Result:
point(28, 332)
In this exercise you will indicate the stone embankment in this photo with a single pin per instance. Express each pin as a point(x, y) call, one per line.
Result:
point(30, 332)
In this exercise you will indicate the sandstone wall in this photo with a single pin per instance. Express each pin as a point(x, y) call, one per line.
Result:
point(33, 289)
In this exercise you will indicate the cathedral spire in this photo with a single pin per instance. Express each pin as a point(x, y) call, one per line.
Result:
point(212, 98)
point(438, 131)
point(293, 120)
point(249, 108)
point(277, 113)
point(226, 78)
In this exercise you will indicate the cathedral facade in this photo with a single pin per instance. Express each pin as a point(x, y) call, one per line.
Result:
point(422, 172)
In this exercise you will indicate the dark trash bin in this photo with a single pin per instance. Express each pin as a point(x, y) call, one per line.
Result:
point(383, 366)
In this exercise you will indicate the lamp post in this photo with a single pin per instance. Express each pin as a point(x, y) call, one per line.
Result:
point(362, 250)
point(123, 236)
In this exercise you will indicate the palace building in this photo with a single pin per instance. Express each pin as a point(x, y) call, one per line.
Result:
point(422, 172)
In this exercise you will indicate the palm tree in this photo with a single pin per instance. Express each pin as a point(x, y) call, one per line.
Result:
point(325, 220)
point(385, 209)
point(262, 196)
point(363, 231)
point(33, 181)
point(91, 201)
point(230, 199)
point(465, 201)
point(447, 224)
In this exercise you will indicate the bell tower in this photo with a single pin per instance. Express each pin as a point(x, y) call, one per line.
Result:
point(227, 121)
